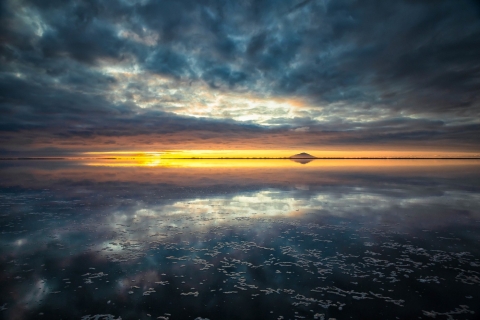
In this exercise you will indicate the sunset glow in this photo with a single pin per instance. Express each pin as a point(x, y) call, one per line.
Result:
point(273, 163)
point(258, 154)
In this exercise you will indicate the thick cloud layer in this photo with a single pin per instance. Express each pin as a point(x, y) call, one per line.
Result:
point(84, 75)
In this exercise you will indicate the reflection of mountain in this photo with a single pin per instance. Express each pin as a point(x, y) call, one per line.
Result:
point(303, 155)
point(302, 161)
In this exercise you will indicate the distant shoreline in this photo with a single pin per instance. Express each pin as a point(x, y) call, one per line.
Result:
point(243, 158)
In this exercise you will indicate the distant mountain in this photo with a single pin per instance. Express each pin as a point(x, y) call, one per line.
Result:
point(303, 155)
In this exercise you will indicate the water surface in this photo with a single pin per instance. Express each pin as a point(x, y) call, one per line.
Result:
point(225, 239)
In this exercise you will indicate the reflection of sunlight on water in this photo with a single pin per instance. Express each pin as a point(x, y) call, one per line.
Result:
point(274, 163)
point(153, 163)
point(193, 163)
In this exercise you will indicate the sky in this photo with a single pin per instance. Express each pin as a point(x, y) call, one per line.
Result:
point(327, 77)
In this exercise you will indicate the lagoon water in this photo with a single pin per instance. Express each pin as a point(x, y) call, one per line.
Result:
point(231, 239)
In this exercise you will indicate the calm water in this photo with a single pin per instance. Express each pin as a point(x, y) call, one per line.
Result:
point(240, 240)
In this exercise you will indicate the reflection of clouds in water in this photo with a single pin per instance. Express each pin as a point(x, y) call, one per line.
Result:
point(458, 199)
point(265, 202)
point(302, 245)
point(135, 218)
point(36, 293)
point(190, 216)
point(279, 203)
point(309, 266)
point(20, 242)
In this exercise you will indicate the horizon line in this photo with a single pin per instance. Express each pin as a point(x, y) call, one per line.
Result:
point(242, 158)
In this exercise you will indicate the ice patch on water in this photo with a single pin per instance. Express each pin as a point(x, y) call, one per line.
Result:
point(101, 317)
point(463, 309)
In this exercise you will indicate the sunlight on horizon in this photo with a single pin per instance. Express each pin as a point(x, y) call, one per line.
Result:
point(266, 154)
point(275, 163)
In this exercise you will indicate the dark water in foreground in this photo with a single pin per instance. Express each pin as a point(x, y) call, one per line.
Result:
point(255, 240)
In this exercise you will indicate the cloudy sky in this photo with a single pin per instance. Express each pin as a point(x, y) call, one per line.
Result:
point(120, 75)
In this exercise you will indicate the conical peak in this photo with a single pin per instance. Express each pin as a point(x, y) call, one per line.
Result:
point(303, 155)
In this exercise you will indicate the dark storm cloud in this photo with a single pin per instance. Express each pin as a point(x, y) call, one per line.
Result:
point(411, 68)
point(63, 110)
